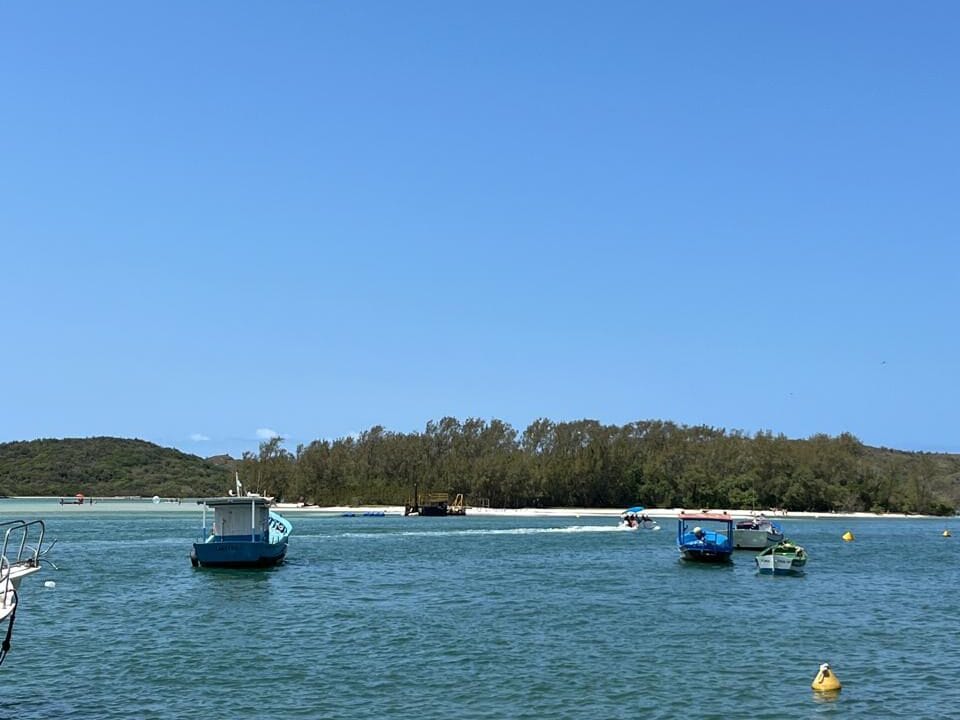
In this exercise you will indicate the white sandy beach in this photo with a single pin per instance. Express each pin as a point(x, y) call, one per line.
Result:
point(128, 504)
point(668, 513)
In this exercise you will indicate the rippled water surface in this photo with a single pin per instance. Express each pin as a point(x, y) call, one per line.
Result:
point(482, 617)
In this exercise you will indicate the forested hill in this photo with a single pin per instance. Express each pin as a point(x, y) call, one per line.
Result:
point(568, 464)
point(105, 466)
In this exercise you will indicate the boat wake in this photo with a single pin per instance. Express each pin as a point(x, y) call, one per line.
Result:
point(480, 531)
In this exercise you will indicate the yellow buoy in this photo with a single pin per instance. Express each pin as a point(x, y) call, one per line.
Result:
point(946, 533)
point(848, 536)
point(826, 681)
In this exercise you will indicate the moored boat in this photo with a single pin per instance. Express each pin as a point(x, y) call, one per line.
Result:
point(756, 533)
point(784, 558)
point(19, 558)
point(244, 533)
point(705, 537)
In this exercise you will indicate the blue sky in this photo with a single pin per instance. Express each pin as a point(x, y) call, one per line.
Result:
point(223, 220)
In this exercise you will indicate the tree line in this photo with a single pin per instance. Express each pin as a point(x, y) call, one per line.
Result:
point(589, 464)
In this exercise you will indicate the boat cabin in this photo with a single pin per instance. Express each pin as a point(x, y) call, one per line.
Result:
point(237, 518)
point(244, 533)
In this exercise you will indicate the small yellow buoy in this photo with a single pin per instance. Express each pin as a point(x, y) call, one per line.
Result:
point(946, 533)
point(826, 681)
point(848, 536)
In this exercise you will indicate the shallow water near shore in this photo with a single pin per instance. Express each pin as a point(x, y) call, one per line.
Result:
point(482, 617)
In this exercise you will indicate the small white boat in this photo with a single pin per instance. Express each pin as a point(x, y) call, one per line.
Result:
point(756, 533)
point(784, 558)
point(638, 523)
point(635, 518)
point(19, 558)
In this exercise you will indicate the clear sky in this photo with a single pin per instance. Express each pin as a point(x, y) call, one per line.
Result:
point(223, 220)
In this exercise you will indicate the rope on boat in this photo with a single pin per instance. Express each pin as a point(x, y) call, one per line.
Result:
point(5, 647)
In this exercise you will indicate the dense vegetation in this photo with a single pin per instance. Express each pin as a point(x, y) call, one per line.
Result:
point(573, 464)
point(106, 466)
point(587, 464)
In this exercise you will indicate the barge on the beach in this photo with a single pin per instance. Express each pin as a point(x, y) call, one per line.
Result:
point(435, 505)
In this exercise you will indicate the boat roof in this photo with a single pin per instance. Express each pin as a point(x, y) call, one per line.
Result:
point(717, 517)
point(234, 500)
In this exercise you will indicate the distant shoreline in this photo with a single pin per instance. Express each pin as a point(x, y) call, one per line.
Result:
point(128, 503)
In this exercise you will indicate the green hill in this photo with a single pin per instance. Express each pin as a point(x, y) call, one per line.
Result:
point(106, 466)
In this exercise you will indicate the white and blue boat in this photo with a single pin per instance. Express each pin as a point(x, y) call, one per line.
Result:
point(245, 533)
point(705, 537)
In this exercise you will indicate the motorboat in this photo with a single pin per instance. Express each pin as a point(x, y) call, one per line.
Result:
point(635, 519)
point(705, 537)
point(245, 533)
point(20, 557)
point(784, 558)
point(756, 533)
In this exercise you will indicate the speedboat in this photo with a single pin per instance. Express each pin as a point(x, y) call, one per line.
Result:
point(18, 559)
point(756, 533)
point(636, 521)
point(705, 537)
point(245, 533)
point(784, 558)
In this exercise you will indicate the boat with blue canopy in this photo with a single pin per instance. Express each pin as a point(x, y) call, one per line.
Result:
point(634, 518)
point(245, 533)
point(705, 537)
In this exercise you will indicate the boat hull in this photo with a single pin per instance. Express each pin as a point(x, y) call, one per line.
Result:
point(705, 555)
point(779, 565)
point(232, 554)
point(755, 539)
point(784, 559)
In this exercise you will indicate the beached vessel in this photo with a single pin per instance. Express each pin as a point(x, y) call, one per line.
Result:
point(784, 558)
point(20, 557)
point(756, 533)
point(244, 534)
point(435, 504)
point(705, 537)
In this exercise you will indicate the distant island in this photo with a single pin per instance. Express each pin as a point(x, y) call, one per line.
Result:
point(567, 464)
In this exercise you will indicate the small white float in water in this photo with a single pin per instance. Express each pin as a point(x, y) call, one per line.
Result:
point(50, 584)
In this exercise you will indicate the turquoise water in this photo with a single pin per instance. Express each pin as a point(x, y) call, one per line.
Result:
point(482, 618)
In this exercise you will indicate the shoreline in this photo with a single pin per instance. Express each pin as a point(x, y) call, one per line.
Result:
point(659, 513)
point(127, 503)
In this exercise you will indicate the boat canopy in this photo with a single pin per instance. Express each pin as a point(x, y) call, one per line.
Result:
point(716, 517)
point(634, 509)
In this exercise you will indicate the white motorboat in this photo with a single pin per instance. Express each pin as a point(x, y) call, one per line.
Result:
point(756, 533)
point(19, 557)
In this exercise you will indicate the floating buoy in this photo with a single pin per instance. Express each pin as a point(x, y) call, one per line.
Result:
point(826, 681)
point(50, 584)
point(946, 533)
point(848, 536)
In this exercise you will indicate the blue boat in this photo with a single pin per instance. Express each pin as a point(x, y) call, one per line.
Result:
point(705, 537)
point(244, 534)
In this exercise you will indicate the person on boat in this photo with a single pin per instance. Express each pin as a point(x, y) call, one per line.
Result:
point(698, 533)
